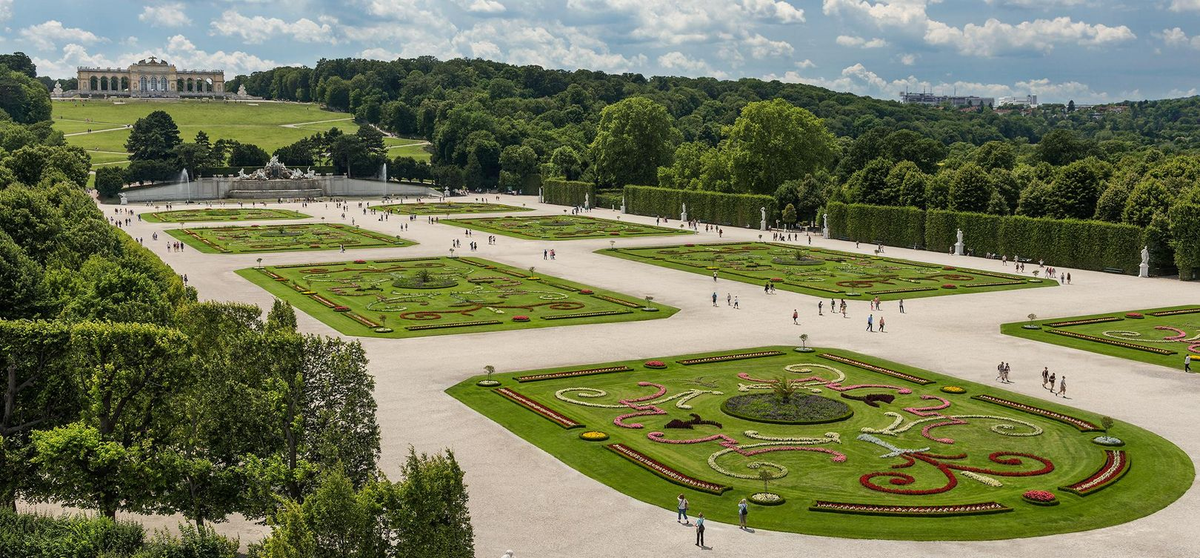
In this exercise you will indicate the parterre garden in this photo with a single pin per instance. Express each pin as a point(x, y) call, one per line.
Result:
point(449, 208)
point(221, 214)
point(823, 272)
point(561, 227)
point(439, 295)
point(283, 238)
point(1157, 336)
point(836, 443)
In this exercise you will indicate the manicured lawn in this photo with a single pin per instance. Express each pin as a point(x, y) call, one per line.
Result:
point(950, 449)
point(450, 208)
point(442, 296)
point(826, 273)
point(216, 214)
point(283, 238)
point(561, 227)
point(1164, 339)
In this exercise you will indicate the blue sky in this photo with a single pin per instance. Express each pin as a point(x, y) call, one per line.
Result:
point(1085, 50)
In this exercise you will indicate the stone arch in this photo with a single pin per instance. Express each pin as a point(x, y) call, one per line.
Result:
point(142, 84)
point(124, 83)
point(163, 82)
point(104, 83)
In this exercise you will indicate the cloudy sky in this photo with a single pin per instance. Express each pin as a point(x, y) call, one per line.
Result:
point(1086, 50)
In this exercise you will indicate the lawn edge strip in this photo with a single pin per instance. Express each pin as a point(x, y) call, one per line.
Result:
point(1116, 464)
point(1079, 424)
point(873, 368)
point(725, 358)
point(541, 410)
point(459, 324)
point(572, 373)
point(910, 511)
point(616, 300)
point(1067, 323)
point(666, 472)
point(586, 314)
point(1175, 312)
point(1113, 342)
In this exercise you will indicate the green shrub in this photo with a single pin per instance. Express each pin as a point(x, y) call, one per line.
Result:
point(40, 536)
point(109, 181)
point(893, 226)
point(1185, 230)
point(739, 210)
point(568, 192)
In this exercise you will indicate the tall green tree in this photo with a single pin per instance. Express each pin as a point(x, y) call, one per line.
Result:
point(153, 138)
point(772, 142)
point(635, 137)
point(971, 189)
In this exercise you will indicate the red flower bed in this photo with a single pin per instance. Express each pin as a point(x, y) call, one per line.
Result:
point(360, 261)
point(585, 291)
point(776, 279)
point(666, 472)
point(1135, 315)
point(340, 308)
point(948, 268)
point(656, 364)
point(1176, 312)
point(1082, 425)
point(879, 369)
point(949, 286)
point(1108, 341)
point(1116, 464)
point(913, 511)
point(551, 414)
point(1040, 497)
point(724, 358)
point(520, 318)
point(619, 301)
point(572, 373)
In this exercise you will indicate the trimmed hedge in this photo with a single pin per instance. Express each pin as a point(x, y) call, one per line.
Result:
point(1094, 245)
point(893, 226)
point(735, 210)
point(568, 192)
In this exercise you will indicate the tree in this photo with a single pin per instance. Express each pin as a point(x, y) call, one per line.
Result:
point(153, 138)
point(1076, 189)
point(772, 142)
point(431, 517)
point(870, 184)
point(337, 94)
point(910, 184)
point(109, 181)
point(971, 189)
point(1111, 204)
point(518, 168)
point(1061, 147)
point(1150, 196)
point(789, 215)
point(19, 62)
point(633, 139)
point(299, 154)
point(248, 155)
point(1185, 234)
point(995, 155)
point(282, 317)
point(1036, 200)
point(566, 163)
point(23, 98)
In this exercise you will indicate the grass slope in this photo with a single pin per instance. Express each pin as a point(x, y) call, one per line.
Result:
point(485, 291)
point(1144, 328)
point(1159, 472)
point(283, 238)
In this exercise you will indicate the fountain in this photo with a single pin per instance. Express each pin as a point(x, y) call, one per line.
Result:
point(275, 180)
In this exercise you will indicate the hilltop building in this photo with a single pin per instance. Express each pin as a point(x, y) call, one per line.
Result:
point(952, 100)
point(151, 78)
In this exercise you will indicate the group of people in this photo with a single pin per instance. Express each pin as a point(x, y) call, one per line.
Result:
point(1048, 382)
point(1002, 370)
point(682, 506)
point(730, 300)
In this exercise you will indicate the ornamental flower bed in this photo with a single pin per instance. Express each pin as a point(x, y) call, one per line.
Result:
point(1082, 425)
point(994, 284)
point(1111, 441)
point(593, 436)
point(725, 358)
point(586, 291)
point(615, 300)
point(548, 413)
point(664, 471)
point(459, 324)
point(909, 290)
point(324, 301)
point(1135, 315)
point(910, 511)
point(520, 318)
point(361, 319)
point(954, 389)
point(585, 314)
point(572, 373)
point(1116, 464)
point(949, 286)
point(879, 369)
point(1040, 498)
point(340, 308)
point(1114, 342)
point(1176, 312)
point(766, 498)
point(1084, 322)
point(360, 261)
point(655, 364)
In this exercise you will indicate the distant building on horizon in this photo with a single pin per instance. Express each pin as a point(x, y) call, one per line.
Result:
point(1030, 101)
point(151, 78)
point(958, 101)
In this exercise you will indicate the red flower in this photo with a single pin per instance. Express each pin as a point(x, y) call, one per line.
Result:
point(520, 318)
point(585, 291)
point(360, 261)
point(341, 309)
point(1039, 495)
point(655, 364)
point(949, 286)
point(1134, 315)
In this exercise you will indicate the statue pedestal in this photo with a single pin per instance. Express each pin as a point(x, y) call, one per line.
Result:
point(958, 248)
point(762, 225)
point(825, 233)
point(1144, 270)
point(622, 209)
point(683, 217)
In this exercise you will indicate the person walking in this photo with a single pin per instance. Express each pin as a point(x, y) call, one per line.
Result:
point(1187, 363)
point(881, 324)
point(728, 299)
point(1007, 369)
point(902, 306)
point(743, 509)
point(820, 306)
point(1051, 383)
point(1062, 386)
point(735, 303)
point(714, 277)
point(700, 529)
point(714, 299)
point(1045, 375)
point(796, 316)
point(871, 322)
point(1000, 372)
point(682, 507)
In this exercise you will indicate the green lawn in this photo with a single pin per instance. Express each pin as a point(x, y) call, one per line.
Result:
point(561, 227)
point(449, 208)
point(1162, 340)
point(216, 214)
point(825, 273)
point(858, 460)
point(402, 298)
point(267, 125)
point(283, 238)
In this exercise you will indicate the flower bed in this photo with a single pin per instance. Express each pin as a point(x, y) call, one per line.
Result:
point(909, 290)
point(798, 409)
point(341, 308)
point(1082, 425)
point(725, 358)
point(572, 373)
point(1135, 315)
point(1116, 464)
point(655, 364)
point(1040, 498)
point(766, 499)
point(459, 324)
point(593, 436)
point(586, 291)
point(910, 511)
point(520, 318)
point(324, 301)
point(585, 314)
point(1176, 312)
point(1113, 342)
point(666, 472)
point(615, 300)
point(361, 319)
point(1084, 322)
point(993, 284)
point(879, 369)
point(383, 330)
point(548, 413)
point(954, 389)
point(1111, 441)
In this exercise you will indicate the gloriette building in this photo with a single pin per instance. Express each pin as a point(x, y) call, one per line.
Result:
point(151, 78)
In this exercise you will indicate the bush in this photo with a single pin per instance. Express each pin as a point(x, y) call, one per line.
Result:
point(38, 536)
point(738, 210)
point(568, 192)
point(1185, 230)
point(981, 232)
point(109, 181)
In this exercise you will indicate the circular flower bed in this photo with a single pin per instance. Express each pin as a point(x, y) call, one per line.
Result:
point(796, 409)
point(949, 286)
point(766, 498)
point(487, 383)
point(383, 330)
point(520, 318)
point(360, 261)
point(585, 291)
point(593, 436)
point(1040, 498)
point(1111, 441)
point(655, 364)
point(341, 309)
point(1134, 315)
point(954, 389)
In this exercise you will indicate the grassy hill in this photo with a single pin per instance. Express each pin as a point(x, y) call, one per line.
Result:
point(268, 125)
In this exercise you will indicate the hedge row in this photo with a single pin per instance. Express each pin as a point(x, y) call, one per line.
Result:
point(1094, 245)
point(568, 192)
point(894, 226)
point(738, 210)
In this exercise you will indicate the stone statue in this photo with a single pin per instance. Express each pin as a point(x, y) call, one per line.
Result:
point(960, 236)
point(683, 214)
point(58, 90)
point(242, 91)
point(825, 229)
point(541, 199)
point(587, 200)
point(1145, 255)
point(958, 246)
point(622, 204)
point(1144, 267)
point(762, 225)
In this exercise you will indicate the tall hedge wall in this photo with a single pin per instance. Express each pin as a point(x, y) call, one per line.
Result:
point(568, 192)
point(738, 210)
point(893, 226)
point(981, 232)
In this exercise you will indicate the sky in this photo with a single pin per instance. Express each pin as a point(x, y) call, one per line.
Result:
point(1089, 51)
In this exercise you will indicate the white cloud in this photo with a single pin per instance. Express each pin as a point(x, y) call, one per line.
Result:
point(1185, 5)
point(171, 14)
point(47, 35)
point(907, 59)
point(259, 29)
point(805, 64)
point(676, 60)
point(5, 9)
point(184, 54)
point(859, 42)
point(482, 6)
point(551, 45)
point(781, 12)
point(1177, 38)
point(1043, 4)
